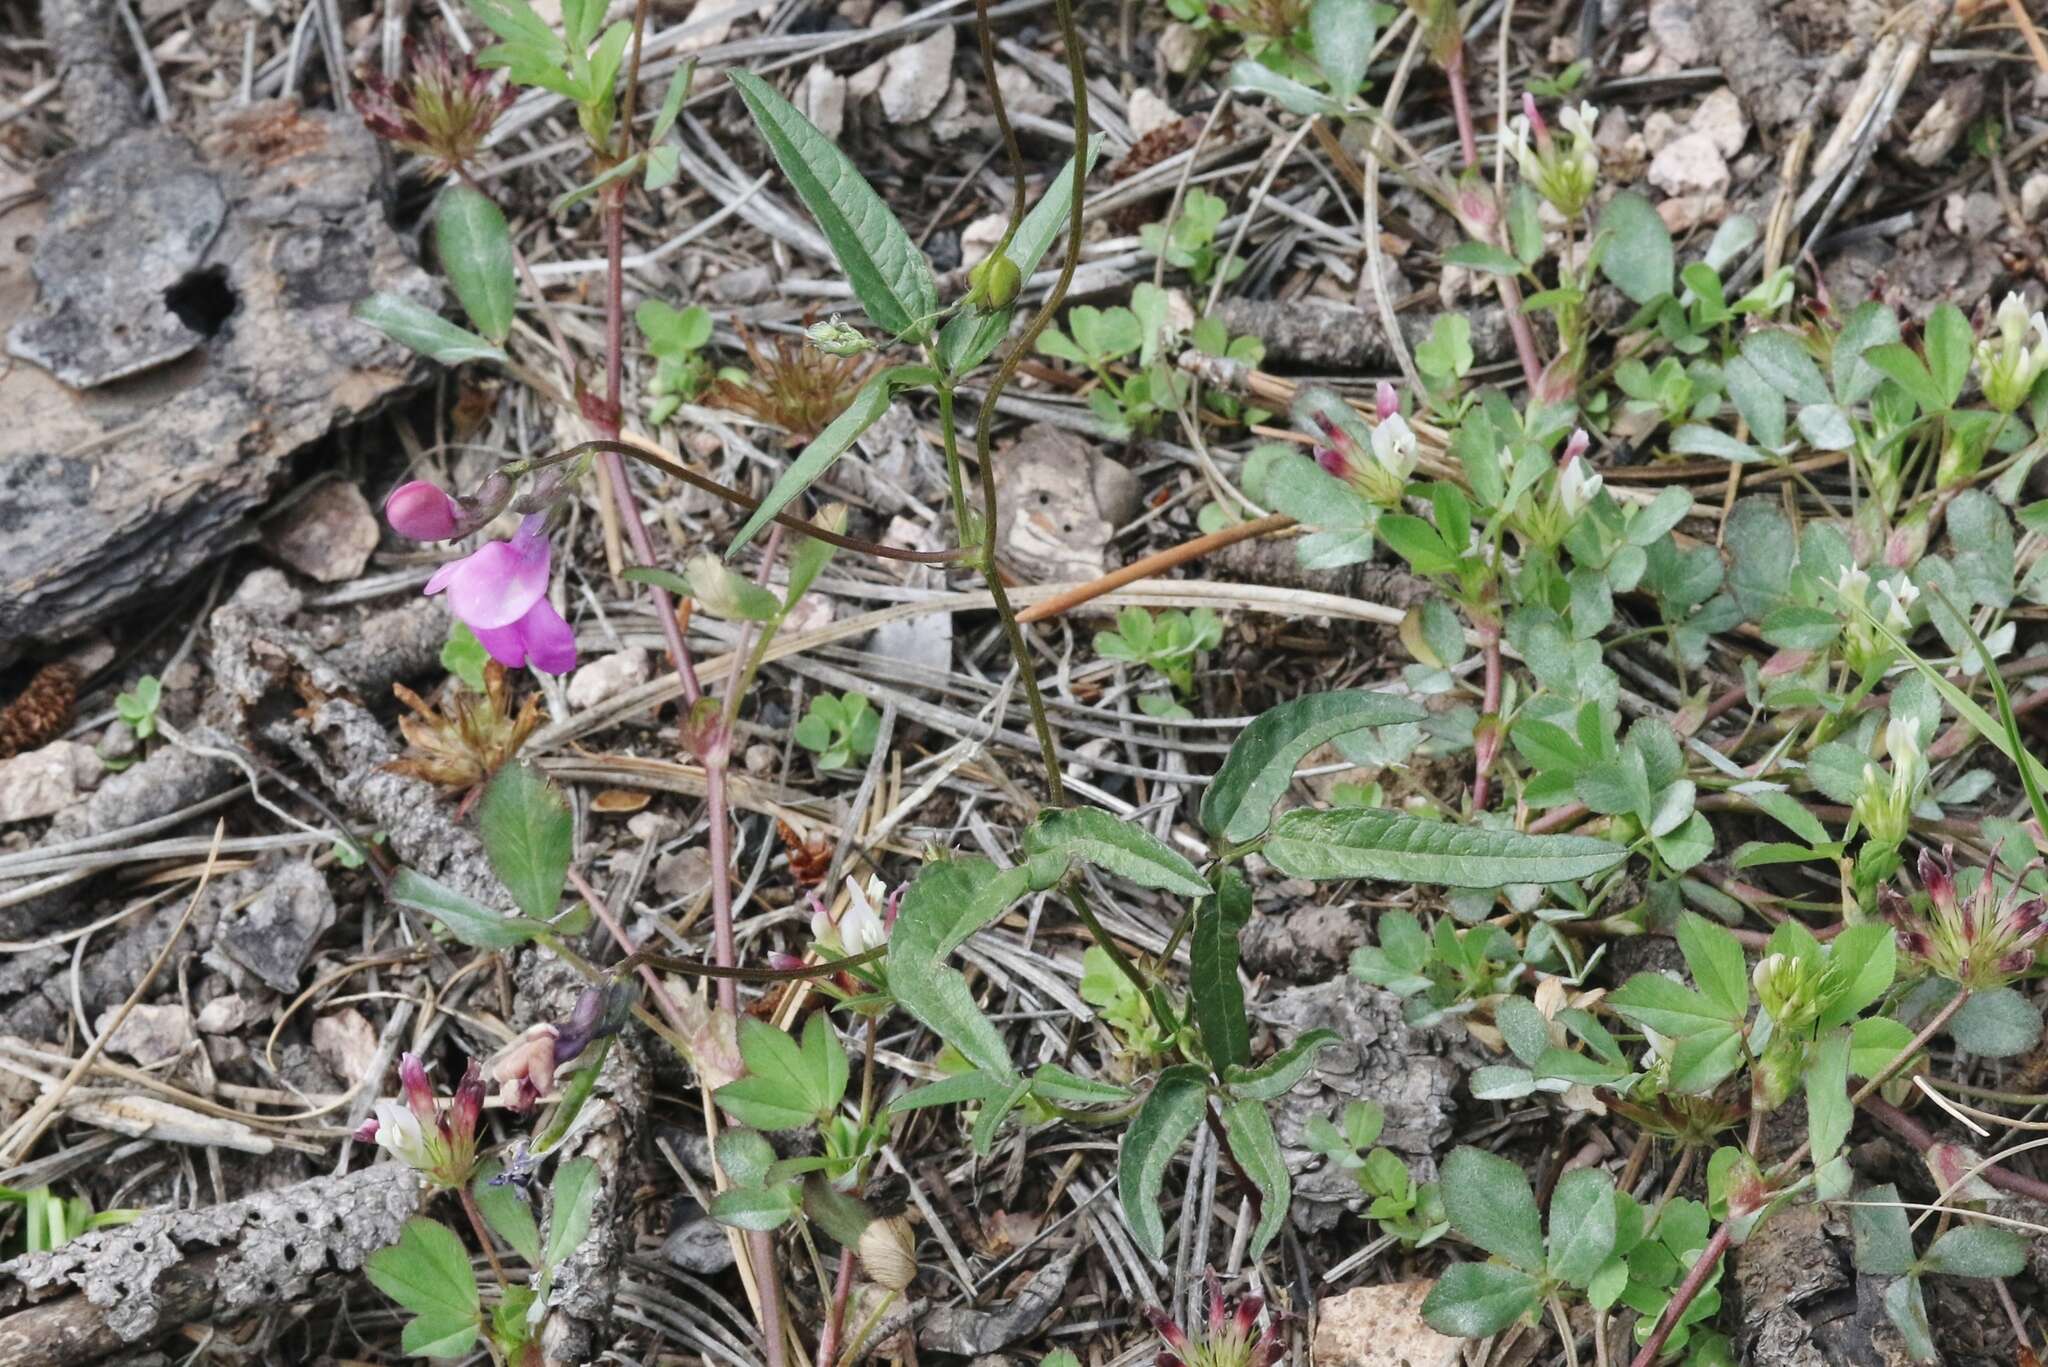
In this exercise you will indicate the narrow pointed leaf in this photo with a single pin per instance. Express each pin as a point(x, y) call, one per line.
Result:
point(887, 271)
point(1249, 1131)
point(829, 445)
point(1094, 836)
point(1395, 847)
point(1215, 996)
point(1163, 1123)
point(425, 331)
point(1238, 804)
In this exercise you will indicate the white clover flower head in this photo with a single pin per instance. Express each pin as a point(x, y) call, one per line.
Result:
point(1578, 484)
point(862, 927)
point(1518, 137)
point(1853, 587)
point(1909, 766)
point(1903, 593)
point(858, 929)
point(2013, 320)
point(399, 1131)
point(1394, 446)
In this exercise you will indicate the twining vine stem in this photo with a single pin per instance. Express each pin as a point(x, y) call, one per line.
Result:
point(1077, 76)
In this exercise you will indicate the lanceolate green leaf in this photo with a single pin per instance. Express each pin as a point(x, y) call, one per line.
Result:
point(528, 834)
point(476, 251)
point(1162, 1124)
point(467, 919)
point(829, 445)
point(1277, 1075)
point(885, 268)
point(574, 1193)
point(1397, 848)
point(969, 338)
point(1095, 837)
point(424, 330)
point(1341, 32)
point(1249, 1131)
point(1238, 804)
point(1216, 996)
point(1636, 253)
point(950, 900)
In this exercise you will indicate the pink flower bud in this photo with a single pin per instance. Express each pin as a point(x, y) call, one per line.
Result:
point(1386, 403)
point(419, 1093)
point(423, 512)
point(366, 1133)
point(1332, 460)
point(1938, 876)
point(1577, 446)
point(1536, 124)
point(468, 1104)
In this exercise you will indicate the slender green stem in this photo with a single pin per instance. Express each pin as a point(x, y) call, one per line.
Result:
point(483, 1235)
point(984, 424)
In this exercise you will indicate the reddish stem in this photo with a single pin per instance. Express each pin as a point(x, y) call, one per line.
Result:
point(835, 1322)
point(759, 1246)
point(1688, 1291)
point(1510, 292)
point(1922, 1139)
point(1486, 745)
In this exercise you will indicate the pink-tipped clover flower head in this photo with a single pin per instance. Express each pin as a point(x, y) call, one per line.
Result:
point(1981, 940)
point(435, 1139)
point(441, 109)
point(499, 591)
point(1578, 483)
point(1376, 461)
point(1231, 1338)
point(1565, 170)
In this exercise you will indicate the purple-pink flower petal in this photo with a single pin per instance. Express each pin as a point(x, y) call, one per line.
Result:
point(540, 640)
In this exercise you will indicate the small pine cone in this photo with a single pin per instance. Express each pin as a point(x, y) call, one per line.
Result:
point(42, 711)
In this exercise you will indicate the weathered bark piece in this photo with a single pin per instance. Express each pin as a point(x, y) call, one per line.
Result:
point(123, 1285)
point(1377, 1058)
point(1327, 336)
point(185, 307)
point(1062, 501)
point(100, 102)
point(414, 817)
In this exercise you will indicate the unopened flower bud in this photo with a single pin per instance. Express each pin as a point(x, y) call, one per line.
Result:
point(422, 511)
point(888, 1253)
point(995, 283)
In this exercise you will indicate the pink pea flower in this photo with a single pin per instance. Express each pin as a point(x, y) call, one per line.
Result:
point(499, 591)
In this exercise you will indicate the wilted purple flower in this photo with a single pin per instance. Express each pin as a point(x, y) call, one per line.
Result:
point(525, 1069)
point(443, 108)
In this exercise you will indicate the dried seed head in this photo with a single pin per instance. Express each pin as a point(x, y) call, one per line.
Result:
point(888, 1253)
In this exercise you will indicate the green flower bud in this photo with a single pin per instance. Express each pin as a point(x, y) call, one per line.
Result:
point(995, 283)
